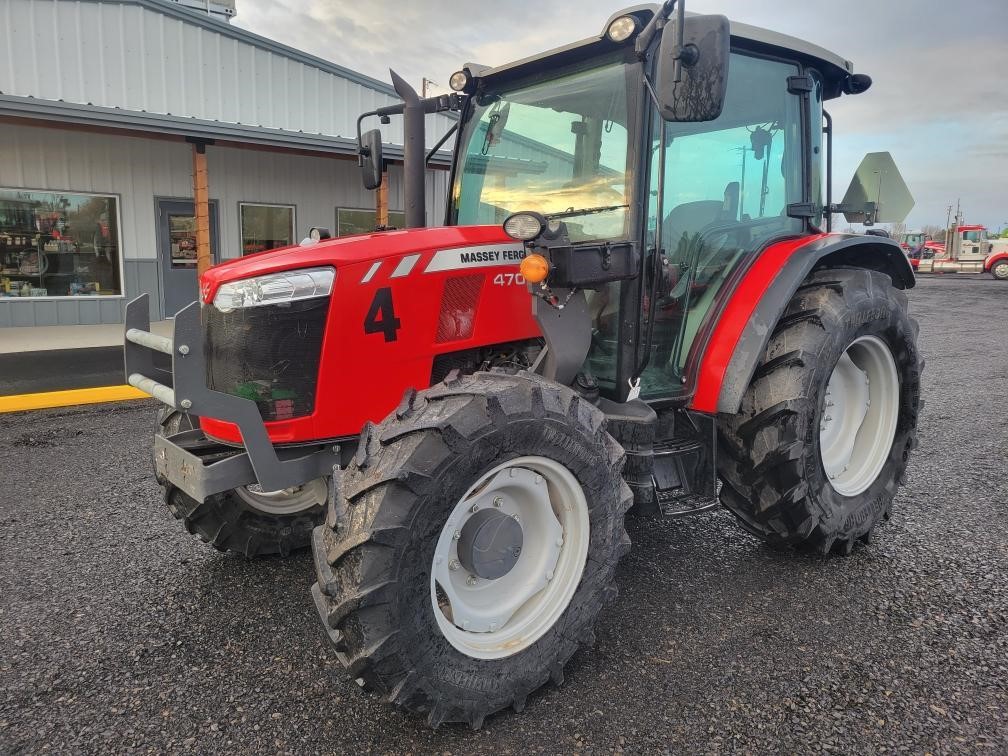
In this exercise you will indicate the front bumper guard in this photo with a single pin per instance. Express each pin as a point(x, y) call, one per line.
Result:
point(197, 465)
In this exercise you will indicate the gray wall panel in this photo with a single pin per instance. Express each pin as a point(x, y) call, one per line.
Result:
point(68, 313)
point(23, 314)
point(43, 315)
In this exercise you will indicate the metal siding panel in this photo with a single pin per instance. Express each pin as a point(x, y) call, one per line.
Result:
point(131, 52)
point(187, 87)
point(89, 312)
point(44, 313)
point(46, 77)
point(21, 49)
point(5, 316)
point(67, 312)
point(110, 310)
point(262, 88)
point(211, 75)
point(22, 313)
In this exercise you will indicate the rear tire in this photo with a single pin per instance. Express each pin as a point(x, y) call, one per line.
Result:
point(241, 520)
point(378, 553)
point(771, 456)
point(1000, 270)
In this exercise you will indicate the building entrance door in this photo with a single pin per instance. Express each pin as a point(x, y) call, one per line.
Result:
point(176, 244)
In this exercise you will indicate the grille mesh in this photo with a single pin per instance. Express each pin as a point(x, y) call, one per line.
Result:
point(267, 354)
point(458, 308)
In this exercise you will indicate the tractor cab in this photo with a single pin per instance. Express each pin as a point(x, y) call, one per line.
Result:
point(667, 155)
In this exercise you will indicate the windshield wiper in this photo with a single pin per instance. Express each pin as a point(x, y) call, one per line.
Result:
point(587, 211)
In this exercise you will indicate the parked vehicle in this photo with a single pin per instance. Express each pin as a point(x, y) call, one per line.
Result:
point(636, 300)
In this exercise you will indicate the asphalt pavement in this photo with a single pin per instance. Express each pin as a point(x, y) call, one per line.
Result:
point(119, 632)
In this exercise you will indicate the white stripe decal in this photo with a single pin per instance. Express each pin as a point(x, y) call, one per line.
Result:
point(481, 256)
point(371, 272)
point(405, 266)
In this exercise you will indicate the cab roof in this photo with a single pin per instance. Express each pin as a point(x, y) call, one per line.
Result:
point(835, 69)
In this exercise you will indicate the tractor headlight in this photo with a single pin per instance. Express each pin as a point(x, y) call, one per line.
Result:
point(622, 28)
point(524, 226)
point(275, 288)
point(458, 81)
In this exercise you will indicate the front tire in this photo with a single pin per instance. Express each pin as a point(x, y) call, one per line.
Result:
point(245, 520)
point(1000, 270)
point(820, 444)
point(395, 592)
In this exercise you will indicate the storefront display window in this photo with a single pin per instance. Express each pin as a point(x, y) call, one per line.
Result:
point(266, 227)
point(351, 220)
point(59, 244)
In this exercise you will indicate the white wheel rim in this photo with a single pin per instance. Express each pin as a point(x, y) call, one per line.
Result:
point(859, 416)
point(492, 619)
point(286, 501)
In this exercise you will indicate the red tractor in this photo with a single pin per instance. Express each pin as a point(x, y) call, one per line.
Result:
point(636, 303)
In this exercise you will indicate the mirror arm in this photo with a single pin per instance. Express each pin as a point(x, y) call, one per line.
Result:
point(655, 25)
point(383, 114)
point(680, 52)
point(440, 143)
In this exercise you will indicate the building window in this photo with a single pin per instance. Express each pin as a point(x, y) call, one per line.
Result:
point(59, 244)
point(265, 227)
point(352, 220)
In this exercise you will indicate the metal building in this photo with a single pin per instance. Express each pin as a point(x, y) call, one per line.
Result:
point(104, 105)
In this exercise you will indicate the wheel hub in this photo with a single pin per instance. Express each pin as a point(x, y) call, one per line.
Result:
point(490, 543)
point(858, 420)
point(509, 558)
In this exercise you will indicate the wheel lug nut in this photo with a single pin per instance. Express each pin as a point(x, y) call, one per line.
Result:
point(515, 517)
point(457, 534)
point(498, 501)
point(474, 507)
point(471, 580)
point(453, 564)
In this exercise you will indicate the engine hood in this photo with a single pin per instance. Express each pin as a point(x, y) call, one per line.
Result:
point(349, 250)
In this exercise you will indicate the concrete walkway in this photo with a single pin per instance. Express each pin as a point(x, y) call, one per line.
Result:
point(51, 338)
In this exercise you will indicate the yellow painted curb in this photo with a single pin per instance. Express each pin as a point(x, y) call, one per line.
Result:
point(21, 402)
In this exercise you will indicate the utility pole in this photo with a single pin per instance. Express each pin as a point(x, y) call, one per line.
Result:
point(425, 84)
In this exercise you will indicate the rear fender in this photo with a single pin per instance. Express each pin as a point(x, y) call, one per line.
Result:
point(745, 325)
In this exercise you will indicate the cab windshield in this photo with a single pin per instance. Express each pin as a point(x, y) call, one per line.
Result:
point(553, 146)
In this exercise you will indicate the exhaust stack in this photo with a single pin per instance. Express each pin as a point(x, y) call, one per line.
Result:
point(414, 156)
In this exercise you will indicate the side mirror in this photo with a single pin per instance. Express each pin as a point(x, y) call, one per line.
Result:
point(702, 69)
point(371, 162)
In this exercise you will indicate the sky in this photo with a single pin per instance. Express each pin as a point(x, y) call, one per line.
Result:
point(939, 101)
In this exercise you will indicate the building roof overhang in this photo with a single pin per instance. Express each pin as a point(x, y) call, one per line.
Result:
point(157, 125)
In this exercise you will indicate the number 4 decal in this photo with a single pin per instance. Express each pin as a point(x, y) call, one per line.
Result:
point(381, 315)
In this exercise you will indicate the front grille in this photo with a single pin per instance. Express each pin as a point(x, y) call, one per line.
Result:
point(268, 354)
point(458, 308)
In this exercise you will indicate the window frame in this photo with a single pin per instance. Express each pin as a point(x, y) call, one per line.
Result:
point(119, 247)
point(241, 232)
point(336, 233)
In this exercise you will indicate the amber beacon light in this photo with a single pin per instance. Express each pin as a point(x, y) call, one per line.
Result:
point(535, 268)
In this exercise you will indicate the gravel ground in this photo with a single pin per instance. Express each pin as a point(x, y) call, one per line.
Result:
point(118, 632)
